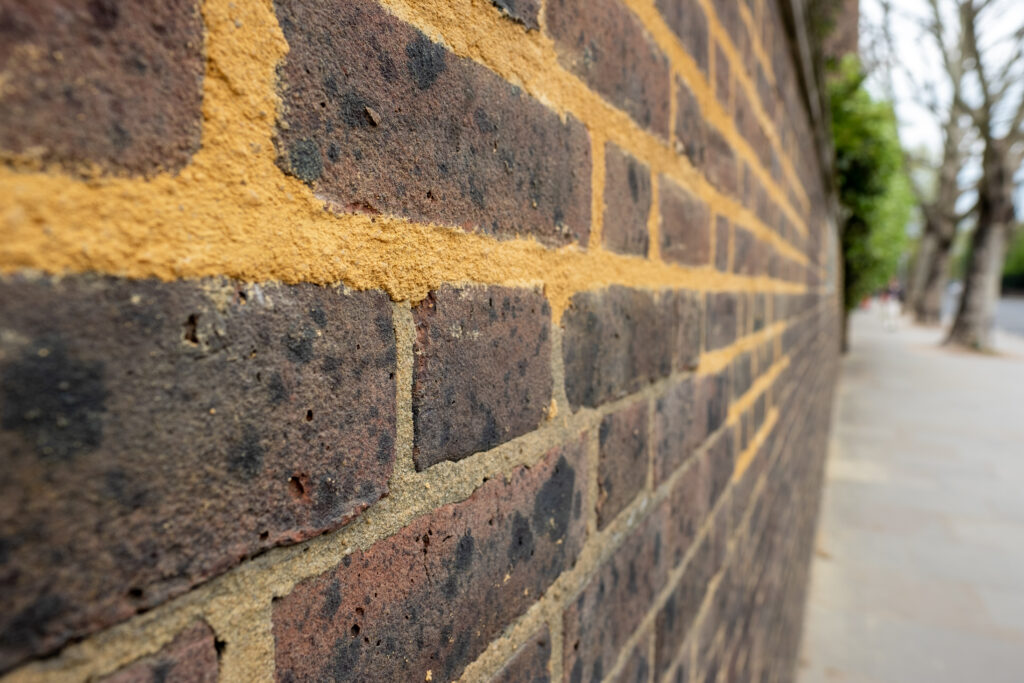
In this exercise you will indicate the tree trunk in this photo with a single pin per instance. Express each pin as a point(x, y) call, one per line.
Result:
point(928, 308)
point(923, 265)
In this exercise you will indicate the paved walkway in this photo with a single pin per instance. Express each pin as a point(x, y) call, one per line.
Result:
point(919, 569)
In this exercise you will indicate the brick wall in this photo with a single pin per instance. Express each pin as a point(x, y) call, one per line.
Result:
point(358, 340)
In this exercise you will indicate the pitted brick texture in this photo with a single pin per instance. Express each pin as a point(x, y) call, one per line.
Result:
point(627, 198)
point(431, 597)
point(104, 85)
point(386, 121)
point(127, 404)
point(622, 460)
point(608, 47)
point(192, 656)
point(482, 370)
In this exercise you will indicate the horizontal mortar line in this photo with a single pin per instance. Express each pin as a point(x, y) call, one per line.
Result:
point(745, 459)
point(685, 65)
point(542, 75)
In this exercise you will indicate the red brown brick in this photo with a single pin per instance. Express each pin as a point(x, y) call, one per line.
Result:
point(685, 311)
point(614, 602)
point(720, 163)
point(677, 615)
point(615, 341)
point(690, 127)
point(528, 664)
point(431, 597)
point(675, 434)
point(155, 434)
point(113, 86)
point(723, 77)
point(607, 46)
point(627, 199)
point(482, 371)
point(387, 121)
point(685, 225)
point(191, 656)
point(622, 468)
point(687, 20)
point(687, 510)
point(722, 319)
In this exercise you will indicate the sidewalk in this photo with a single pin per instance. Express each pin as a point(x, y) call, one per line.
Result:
point(918, 573)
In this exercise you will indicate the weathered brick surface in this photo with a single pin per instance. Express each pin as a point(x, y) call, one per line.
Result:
point(431, 597)
point(110, 85)
point(526, 12)
point(191, 656)
point(386, 121)
point(720, 162)
point(126, 403)
point(615, 341)
point(613, 603)
point(675, 433)
point(608, 47)
point(685, 311)
point(675, 618)
point(685, 226)
point(627, 200)
point(722, 242)
point(687, 20)
point(722, 319)
point(528, 664)
point(482, 372)
point(622, 463)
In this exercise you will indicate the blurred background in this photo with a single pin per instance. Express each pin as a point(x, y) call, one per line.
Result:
point(918, 572)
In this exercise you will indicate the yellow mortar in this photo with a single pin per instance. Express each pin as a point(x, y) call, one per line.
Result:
point(232, 211)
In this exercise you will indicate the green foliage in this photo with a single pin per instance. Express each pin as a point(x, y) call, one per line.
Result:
point(873, 189)
point(1013, 269)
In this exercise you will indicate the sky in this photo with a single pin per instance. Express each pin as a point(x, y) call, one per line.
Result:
point(918, 61)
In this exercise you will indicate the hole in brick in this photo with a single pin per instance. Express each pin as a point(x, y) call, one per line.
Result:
point(391, 375)
point(135, 593)
point(264, 535)
point(576, 645)
point(296, 487)
point(359, 611)
point(259, 377)
point(220, 646)
point(355, 629)
point(309, 416)
point(190, 329)
point(366, 640)
point(242, 297)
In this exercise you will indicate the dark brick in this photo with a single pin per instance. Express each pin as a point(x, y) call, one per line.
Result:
point(377, 118)
point(155, 434)
point(722, 315)
point(720, 163)
point(759, 412)
point(113, 85)
point(690, 128)
point(759, 313)
point(723, 78)
point(482, 371)
point(742, 374)
point(607, 46)
point(191, 656)
point(744, 250)
point(615, 341)
point(685, 312)
point(637, 668)
point(526, 12)
point(721, 457)
point(675, 434)
point(528, 664)
point(676, 617)
point(685, 226)
point(431, 597)
point(627, 202)
point(622, 471)
point(713, 401)
point(688, 508)
point(614, 602)
point(687, 20)
point(722, 243)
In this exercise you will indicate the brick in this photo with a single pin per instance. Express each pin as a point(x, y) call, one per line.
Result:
point(723, 77)
point(677, 615)
point(435, 594)
point(637, 668)
point(721, 456)
point(722, 233)
point(386, 121)
point(615, 341)
point(687, 20)
point(688, 508)
point(113, 87)
point(759, 411)
point(528, 664)
point(607, 46)
point(627, 202)
point(526, 12)
point(157, 433)
point(191, 656)
point(613, 603)
point(622, 460)
point(482, 372)
point(713, 401)
point(759, 313)
point(720, 163)
point(748, 253)
point(685, 312)
point(685, 225)
point(722, 316)
point(675, 434)
point(742, 374)
point(689, 132)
